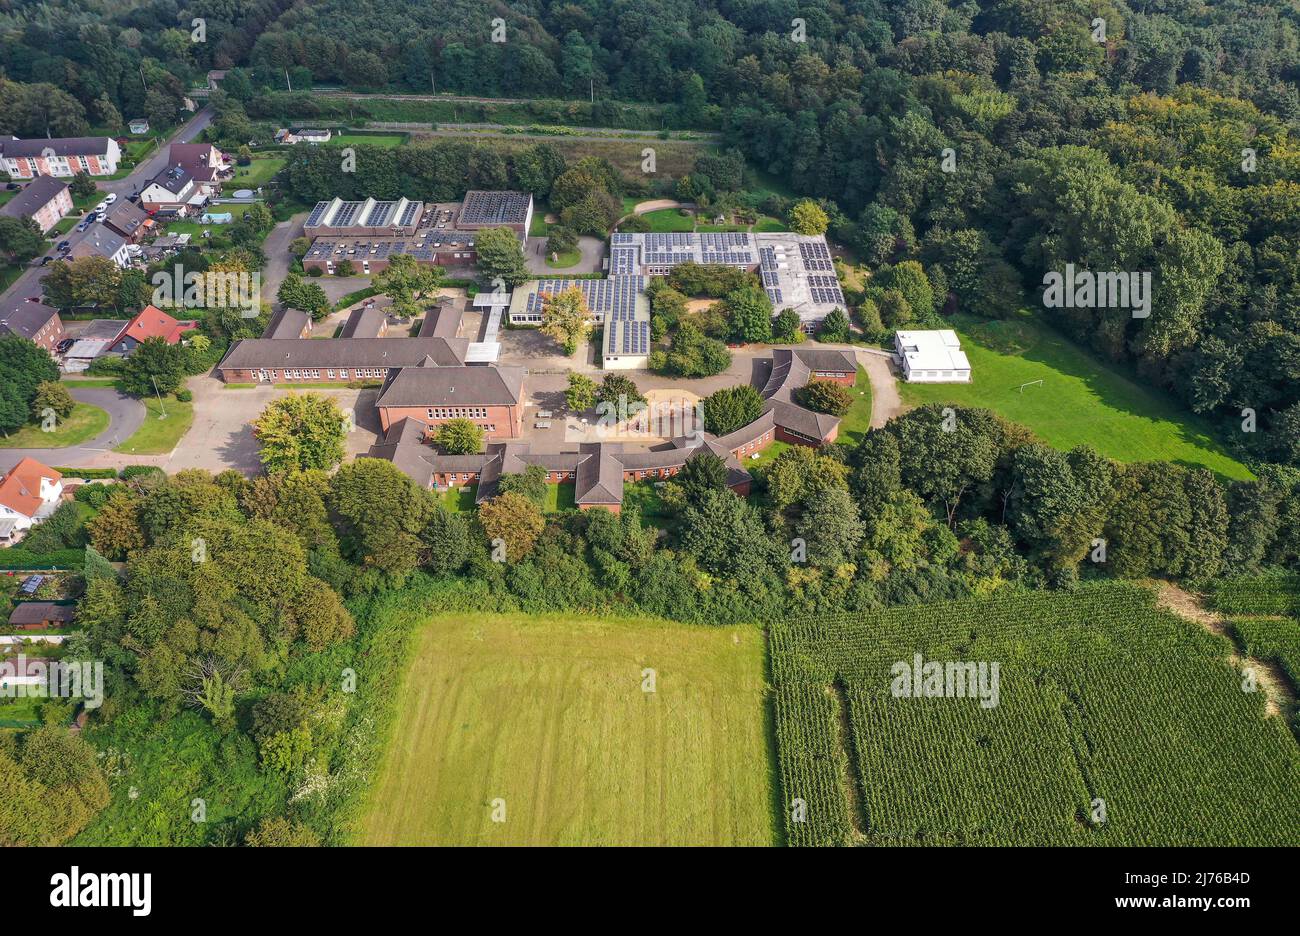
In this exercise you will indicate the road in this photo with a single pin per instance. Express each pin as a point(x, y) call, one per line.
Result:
point(125, 414)
point(29, 282)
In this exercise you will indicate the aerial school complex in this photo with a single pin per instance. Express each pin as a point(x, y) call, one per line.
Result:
point(434, 376)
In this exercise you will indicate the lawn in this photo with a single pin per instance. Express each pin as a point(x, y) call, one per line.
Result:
point(158, 436)
point(83, 423)
point(546, 718)
point(668, 220)
point(1081, 400)
point(9, 273)
point(259, 172)
point(564, 260)
point(368, 139)
point(855, 423)
point(560, 497)
point(459, 498)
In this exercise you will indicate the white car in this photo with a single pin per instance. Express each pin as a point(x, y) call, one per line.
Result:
point(110, 198)
point(99, 209)
point(100, 216)
point(543, 424)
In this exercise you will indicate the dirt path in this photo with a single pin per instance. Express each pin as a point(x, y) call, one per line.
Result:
point(1268, 676)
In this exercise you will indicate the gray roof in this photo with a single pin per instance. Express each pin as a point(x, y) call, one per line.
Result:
point(60, 146)
point(495, 207)
point(125, 217)
point(38, 612)
point(828, 360)
point(443, 321)
point(35, 195)
point(355, 352)
point(287, 323)
point(600, 475)
point(453, 386)
point(173, 178)
point(98, 242)
point(364, 322)
point(23, 318)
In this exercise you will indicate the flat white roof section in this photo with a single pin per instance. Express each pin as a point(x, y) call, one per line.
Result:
point(932, 356)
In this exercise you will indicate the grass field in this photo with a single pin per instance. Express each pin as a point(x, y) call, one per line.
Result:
point(547, 718)
point(260, 171)
point(158, 436)
point(1081, 401)
point(387, 140)
point(564, 260)
point(83, 423)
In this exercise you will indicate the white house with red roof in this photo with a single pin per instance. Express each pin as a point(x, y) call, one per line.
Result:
point(28, 494)
point(151, 322)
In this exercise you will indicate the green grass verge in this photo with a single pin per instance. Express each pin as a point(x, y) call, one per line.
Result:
point(83, 423)
point(560, 497)
point(460, 499)
point(855, 423)
point(159, 434)
point(548, 715)
point(1081, 401)
point(388, 140)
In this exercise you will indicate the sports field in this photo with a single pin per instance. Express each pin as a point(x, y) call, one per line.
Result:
point(1080, 400)
point(544, 721)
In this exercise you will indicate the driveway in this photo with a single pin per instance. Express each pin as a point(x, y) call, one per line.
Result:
point(222, 434)
point(125, 414)
point(278, 258)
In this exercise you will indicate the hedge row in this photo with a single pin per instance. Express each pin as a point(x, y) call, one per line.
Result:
point(15, 557)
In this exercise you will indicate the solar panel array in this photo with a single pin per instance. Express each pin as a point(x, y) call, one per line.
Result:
point(494, 208)
point(766, 258)
point(827, 296)
point(378, 214)
point(317, 213)
point(409, 213)
point(725, 240)
point(628, 337)
point(774, 293)
point(617, 239)
point(815, 256)
point(623, 260)
point(347, 213)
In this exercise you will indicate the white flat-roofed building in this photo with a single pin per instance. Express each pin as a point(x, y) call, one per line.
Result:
point(932, 356)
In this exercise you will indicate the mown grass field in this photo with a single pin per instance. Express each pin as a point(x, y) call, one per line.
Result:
point(83, 423)
point(1081, 400)
point(548, 715)
point(159, 433)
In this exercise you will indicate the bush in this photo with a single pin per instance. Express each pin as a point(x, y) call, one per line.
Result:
point(825, 396)
point(88, 473)
point(185, 395)
point(730, 408)
point(93, 495)
point(139, 471)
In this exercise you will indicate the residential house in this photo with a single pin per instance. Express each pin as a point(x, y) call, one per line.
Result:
point(34, 321)
point(174, 191)
point(128, 220)
point(29, 493)
point(150, 322)
point(100, 241)
point(62, 157)
point(45, 200)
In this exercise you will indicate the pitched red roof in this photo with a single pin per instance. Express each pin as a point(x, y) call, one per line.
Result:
point(152, 322)
point(20, 490)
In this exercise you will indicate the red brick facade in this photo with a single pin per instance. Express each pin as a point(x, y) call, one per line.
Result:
point(497, 422)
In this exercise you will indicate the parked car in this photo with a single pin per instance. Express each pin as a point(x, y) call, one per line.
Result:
point(45, 260)
point(83, 225)
point(544, 414)
point(100, 207)
point(101, 216)
point(542, 424)
point(63, 346)
point(110, 198)
point(65, 245)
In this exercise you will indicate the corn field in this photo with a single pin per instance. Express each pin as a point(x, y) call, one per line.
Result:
point(1115, 723)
